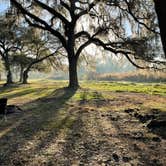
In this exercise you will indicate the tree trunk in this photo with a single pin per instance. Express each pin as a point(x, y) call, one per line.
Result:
point(160, 7)
point(9, 77)
point(25, 77)
point(73, 78)
point(25, 74)
point(21, 74)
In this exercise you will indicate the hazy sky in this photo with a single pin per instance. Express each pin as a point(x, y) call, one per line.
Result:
point(4, 4)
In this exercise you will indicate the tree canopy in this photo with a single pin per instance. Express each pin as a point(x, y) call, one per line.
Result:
point(9, 42)
point(106, 24)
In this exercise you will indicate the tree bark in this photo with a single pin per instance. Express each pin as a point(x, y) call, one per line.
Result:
point(160, 7)
point(21, 74)
point(25, 77)
point(73, 78)
point(9, 79)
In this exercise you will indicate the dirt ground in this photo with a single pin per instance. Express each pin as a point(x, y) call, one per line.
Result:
point(126, 129)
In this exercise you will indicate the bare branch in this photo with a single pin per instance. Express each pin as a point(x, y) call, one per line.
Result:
point(42, 22)
point(82, 33)
point(52, 11)
point(129, 10)
point(84, 12)
point(65, 5)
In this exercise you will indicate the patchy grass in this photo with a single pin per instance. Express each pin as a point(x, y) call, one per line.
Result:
point(59, 126)
point(148, 88)
point(36, 89)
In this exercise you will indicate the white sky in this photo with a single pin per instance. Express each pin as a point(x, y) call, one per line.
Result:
point(4, 4)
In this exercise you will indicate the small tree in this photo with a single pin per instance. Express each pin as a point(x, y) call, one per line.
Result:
point(9, 43)
point(11, 35)
point(21, 61)
point(39, 49)
point(27, 64)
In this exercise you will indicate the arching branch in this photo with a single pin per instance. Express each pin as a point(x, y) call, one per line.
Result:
point(129, 10)
point(52, 11)
point(39, 21)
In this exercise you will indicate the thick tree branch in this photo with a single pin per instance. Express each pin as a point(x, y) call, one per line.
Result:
point(82, 34)
point(41, 59)
point(52, 11)
point(147, 67)
point(85, 11)
point(133, 63)
point(126, 53)
point(82, 47)
point(129, 10)
point(65, 5)
point(38, 20)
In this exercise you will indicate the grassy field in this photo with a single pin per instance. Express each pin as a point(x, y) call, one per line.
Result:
point(90, 126)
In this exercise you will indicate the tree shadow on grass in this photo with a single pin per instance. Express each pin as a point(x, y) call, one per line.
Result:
point(8, 88)
point(137, 138)
point(52, 133)
point(42, 121)
point(92, 98)
point(23, 92)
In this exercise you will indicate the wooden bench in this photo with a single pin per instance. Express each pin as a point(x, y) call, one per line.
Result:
point(3, 104)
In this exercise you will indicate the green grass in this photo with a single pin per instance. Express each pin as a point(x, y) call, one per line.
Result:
point(42, 88)
point(34, 90)
point(147, 88)
point(50, 111)
point(89, 91)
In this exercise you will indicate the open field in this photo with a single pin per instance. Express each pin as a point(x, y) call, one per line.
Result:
point(100, 124)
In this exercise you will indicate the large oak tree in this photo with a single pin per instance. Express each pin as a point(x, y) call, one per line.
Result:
point(79, 23)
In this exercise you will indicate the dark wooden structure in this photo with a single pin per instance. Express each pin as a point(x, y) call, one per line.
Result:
point(3, 104)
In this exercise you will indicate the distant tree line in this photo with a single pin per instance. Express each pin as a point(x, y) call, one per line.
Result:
point(136, 76)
